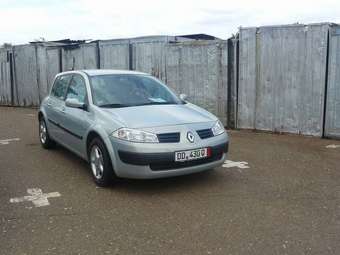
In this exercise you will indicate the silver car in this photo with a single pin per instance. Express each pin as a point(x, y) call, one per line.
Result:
point(129, 124)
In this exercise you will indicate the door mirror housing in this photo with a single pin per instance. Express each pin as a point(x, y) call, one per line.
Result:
point(183, 97)
point(74, 103)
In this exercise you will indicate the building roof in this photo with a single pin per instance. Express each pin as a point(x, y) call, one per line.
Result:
point(71, 44)
point(199, 37)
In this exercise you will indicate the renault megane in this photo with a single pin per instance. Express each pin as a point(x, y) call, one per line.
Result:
point(129, 124)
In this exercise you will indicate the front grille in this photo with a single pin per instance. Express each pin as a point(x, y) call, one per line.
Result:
point(168, 137)
point(205, 133)
point(159, 166)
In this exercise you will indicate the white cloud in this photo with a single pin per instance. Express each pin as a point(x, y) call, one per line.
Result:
point(26, 20)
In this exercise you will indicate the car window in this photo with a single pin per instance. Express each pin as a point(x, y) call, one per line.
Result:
point(130, 90)
point(77, 89)
point(60, 86)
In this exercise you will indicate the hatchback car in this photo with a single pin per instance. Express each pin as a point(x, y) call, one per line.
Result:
point(129, 124)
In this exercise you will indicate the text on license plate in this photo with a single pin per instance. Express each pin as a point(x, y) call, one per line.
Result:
point(191, 154)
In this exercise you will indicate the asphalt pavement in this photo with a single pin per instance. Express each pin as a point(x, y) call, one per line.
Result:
point(278, 194)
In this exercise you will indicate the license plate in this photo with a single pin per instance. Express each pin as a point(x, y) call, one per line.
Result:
point(191, 154)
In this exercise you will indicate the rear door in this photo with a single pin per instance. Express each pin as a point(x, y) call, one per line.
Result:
point(56, 106)
point(76, 121)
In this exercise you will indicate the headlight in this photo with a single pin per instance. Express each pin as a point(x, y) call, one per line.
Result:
point(134, 135)
point(218, 128)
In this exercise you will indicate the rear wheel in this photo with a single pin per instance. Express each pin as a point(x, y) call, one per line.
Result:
point(44, 137)
point(100, 163)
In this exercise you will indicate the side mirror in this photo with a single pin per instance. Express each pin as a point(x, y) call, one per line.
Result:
point(183, 97)
point(74, 103)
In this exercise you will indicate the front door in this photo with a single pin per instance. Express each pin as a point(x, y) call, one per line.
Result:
point(76, 121)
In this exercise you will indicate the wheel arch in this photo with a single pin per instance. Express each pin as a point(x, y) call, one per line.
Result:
point(90, 136)
point(40, 115)
point(93, 133)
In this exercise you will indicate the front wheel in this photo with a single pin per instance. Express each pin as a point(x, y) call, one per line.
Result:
point(100, 163)
point(45, 140)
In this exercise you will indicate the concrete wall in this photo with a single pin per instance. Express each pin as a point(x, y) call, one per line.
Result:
point(282, 78)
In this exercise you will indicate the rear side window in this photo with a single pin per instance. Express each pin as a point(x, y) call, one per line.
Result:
point(60, 86)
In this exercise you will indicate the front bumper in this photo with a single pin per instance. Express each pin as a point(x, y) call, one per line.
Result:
point(147, 161)
point(165, 160)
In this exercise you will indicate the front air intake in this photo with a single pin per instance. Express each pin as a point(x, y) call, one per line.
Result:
point(205, 133)
point(169, 137)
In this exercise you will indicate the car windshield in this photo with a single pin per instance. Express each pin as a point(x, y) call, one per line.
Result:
point(123, 90)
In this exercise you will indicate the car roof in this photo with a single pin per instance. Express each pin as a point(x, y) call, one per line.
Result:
point(93, 72)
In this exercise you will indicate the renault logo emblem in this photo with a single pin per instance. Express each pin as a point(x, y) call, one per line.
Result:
point(190, 137)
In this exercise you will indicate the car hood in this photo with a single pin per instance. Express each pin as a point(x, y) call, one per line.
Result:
point(160, 115)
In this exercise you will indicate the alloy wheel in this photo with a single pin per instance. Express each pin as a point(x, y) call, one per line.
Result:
point(97, 162)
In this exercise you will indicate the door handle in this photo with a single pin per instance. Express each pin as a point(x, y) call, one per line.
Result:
point(49, 104)
point(62, 109)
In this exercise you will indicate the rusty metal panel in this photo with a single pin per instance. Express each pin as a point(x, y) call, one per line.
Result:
point(150, 58)
point(232, 75)
point(224, 100)
point(332, 119)
point(5, 79)
point(53, 66)
point(41, 68)
point(282, 78)
point(26, 87)
point(199, 69)
point(247, 78)
point(114, 54)
point(173, 70)
point(85, 56)
point(152, 39)
point(48, 66)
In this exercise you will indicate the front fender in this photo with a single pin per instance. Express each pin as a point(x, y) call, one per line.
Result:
point(105, 138)
point(41, 110)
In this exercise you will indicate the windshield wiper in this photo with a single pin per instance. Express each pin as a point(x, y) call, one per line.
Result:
point(155, 103)
point(113, 105)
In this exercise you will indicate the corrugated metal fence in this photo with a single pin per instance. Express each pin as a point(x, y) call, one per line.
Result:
point(5, 77)
point(279, 78)
point(282, 78)
point(332, 121)
point(177, 64)
point(289, 79)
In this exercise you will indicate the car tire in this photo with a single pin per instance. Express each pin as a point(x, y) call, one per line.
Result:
point(44, 137)
point(100, 163)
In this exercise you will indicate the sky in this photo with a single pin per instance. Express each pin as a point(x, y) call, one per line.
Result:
point(28, 20)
